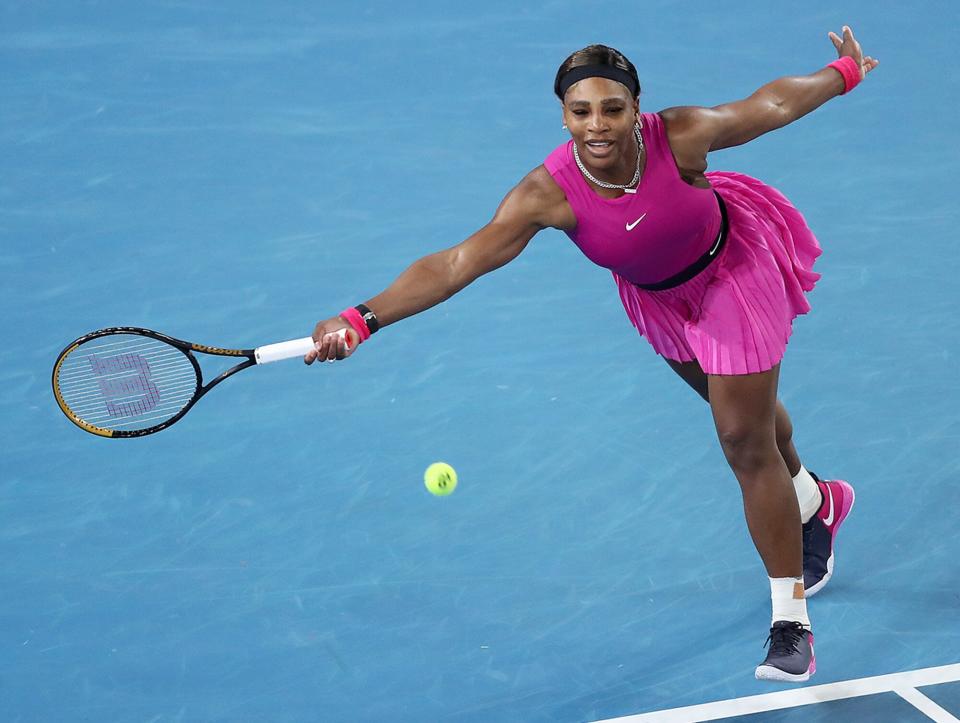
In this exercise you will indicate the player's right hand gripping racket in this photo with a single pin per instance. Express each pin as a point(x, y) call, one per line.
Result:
point(127, 382)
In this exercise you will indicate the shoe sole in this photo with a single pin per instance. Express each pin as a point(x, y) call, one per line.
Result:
point(814, 589)
point(768, 672)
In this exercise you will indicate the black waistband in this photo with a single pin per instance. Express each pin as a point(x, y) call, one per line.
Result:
point(700, 264)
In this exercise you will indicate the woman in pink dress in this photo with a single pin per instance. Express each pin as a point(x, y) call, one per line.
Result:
point(712, 268)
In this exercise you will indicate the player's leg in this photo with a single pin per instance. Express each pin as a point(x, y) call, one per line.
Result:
point(744, 412)
point(695, 377)
point(824, 504)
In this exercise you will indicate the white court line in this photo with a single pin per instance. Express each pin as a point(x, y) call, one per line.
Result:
point(918, 700)
point(899, 683)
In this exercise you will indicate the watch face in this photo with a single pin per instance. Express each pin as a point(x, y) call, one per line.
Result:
point(370, 319)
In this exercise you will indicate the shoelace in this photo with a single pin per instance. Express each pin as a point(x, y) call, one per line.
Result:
point(785, 639)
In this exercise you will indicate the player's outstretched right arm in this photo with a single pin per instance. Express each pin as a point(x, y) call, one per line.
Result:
point(535, 203)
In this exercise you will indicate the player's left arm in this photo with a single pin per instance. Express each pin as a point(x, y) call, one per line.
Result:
point(773, 106)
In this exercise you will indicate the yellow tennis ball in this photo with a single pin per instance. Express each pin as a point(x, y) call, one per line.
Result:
point(440, 479)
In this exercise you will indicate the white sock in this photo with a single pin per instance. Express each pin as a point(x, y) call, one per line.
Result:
point(786, 594)
point(808, 494)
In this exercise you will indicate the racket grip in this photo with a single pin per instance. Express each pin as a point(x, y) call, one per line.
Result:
point(287, 349)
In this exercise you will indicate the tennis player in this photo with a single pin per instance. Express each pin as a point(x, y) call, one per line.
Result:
point(711, 267)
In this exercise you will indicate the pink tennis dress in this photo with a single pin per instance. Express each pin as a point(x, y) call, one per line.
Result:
point(735, 316)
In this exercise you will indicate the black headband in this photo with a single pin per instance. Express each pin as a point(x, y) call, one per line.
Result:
point(575, 75)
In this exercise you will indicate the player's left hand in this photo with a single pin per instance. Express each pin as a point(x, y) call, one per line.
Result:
point(848, 45)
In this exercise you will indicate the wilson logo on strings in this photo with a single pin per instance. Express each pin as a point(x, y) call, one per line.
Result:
point(125, 384)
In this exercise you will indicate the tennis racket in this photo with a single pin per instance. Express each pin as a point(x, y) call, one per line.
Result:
point(129, 382)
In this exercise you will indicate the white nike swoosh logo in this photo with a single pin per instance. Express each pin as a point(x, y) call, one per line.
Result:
point(829, 520)
point(630, 226)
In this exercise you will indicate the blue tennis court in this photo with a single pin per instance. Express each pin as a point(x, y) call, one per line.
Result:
point(232, 172)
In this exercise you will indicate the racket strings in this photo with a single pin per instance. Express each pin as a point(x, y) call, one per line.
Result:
point(170, 370)
point(126, 381)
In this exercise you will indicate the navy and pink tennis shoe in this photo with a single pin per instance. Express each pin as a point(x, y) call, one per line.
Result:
point(790, 658)
point(819, 534)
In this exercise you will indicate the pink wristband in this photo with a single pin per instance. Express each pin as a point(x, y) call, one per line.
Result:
point(848, 68)
point(355, 320)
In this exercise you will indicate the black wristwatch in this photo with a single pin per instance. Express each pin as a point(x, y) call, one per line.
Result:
point(369, 318)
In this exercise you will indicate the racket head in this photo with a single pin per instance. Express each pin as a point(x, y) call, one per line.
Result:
point(126, 381)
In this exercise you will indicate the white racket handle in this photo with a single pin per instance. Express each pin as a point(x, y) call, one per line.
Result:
point(288, 349)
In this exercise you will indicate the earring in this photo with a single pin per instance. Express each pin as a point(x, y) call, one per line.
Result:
point(564, 126)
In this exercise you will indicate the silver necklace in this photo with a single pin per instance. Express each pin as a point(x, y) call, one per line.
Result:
point(604, 184)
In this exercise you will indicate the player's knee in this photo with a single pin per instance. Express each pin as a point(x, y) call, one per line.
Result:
point(747, 448)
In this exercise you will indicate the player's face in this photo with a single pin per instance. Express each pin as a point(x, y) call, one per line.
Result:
point(600, 115)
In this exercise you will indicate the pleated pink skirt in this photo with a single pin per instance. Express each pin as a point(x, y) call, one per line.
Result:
point(736, 316)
